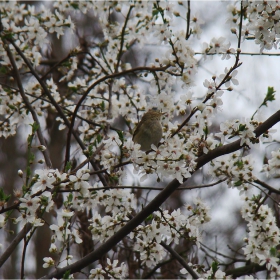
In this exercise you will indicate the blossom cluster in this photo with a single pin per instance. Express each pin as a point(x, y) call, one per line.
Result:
point(210, 274)
point(263, 236)
point(118, 205)
point(37, 25)
point(219, 46)
point(169, 227)
point(261, 24)
point(272, 167)
point(237, 170)
point(30, 38)
point(49, 262)
point(39, 198)
point(111, 270)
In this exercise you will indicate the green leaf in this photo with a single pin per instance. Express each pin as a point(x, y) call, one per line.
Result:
point(66, 63)
point(24, 189)
point(239, 164)
point(12, 107)
point(155, 12)
point(270, 96)
point(75, 5)
point(7, 198)
point(215, 267)
point(29, 139)
point(69, 200)
point(238, 183)
point(273, 252)
point(35, 127)
point(66, 275)
point(70, 197)
point(242, 127)
point(120, 133)
point(44, 200)
point(8, 213)
point(28, 171)
point(31, 158)
point(149, 218)
point(68, 166)
point(99, 138)
point(205, 130)
point(102, 106)
point(3, 70)
point(3, 196)
point(114, 178)
point(8, 35)
point(90, 149)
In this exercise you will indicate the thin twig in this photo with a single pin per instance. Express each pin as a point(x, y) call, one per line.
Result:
point(180, 260)
point(241, 53)
point(29, 106)
point(225, 256)
point(188, 20)
point(224, 80)
point(159, 265)
point(120, 53)
point(144, 188)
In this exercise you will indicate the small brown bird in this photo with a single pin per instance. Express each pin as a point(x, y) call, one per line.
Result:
point(149, 130)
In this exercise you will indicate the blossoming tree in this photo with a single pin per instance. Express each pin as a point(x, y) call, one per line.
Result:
point(76, 77)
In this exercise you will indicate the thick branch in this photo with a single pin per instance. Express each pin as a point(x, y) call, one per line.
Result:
point(245, 270)
point(268, 187)
point(14, 243)
point(234, 146)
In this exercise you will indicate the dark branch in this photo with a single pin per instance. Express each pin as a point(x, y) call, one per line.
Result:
point(180, 260)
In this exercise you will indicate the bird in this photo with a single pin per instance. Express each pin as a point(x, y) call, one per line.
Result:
point(148, 130)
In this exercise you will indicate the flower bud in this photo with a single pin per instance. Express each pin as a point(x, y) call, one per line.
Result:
point(20, 173)
point(42, 148)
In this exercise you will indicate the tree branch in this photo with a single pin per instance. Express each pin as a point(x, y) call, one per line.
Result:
point(234, 146)
point(245, 270)
point(14, 243)
point(155, 204)
point(29, 106)
point(179, 259)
